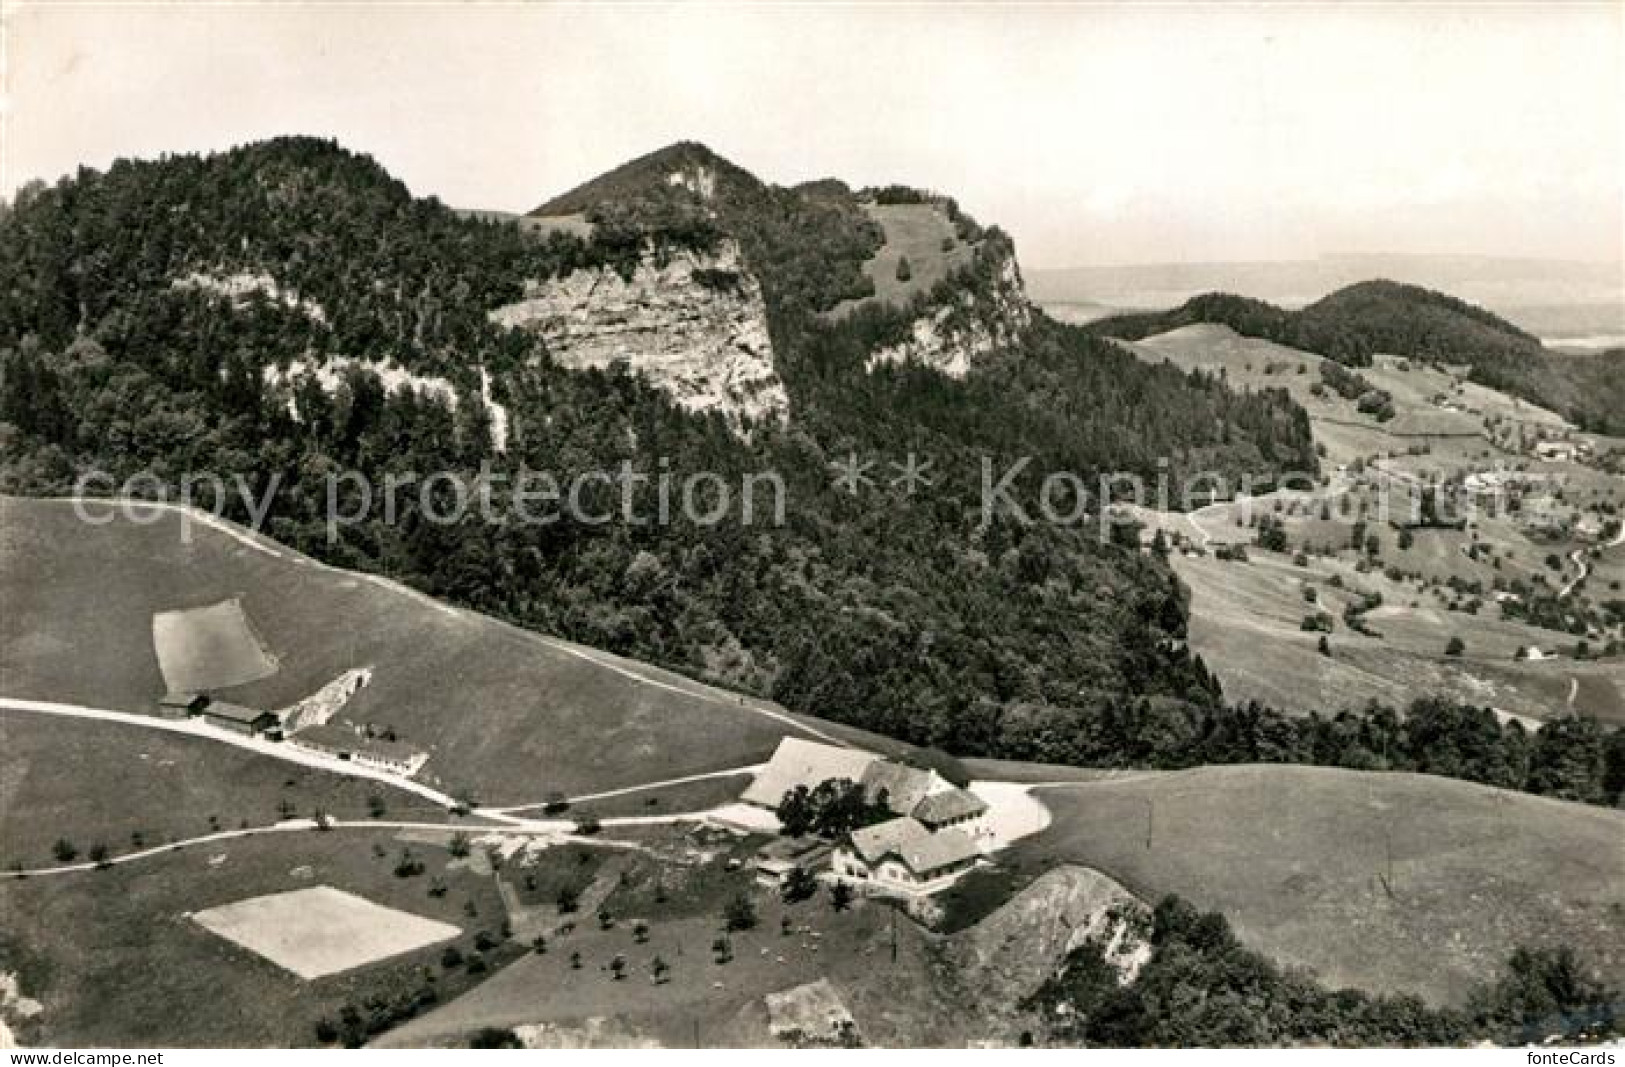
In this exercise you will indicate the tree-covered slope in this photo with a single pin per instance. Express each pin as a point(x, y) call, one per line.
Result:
point(169, 316)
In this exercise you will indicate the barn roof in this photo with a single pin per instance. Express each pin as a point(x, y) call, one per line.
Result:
point(797, 762)
point(952, 804)
point(905, 786)
point(220, 709)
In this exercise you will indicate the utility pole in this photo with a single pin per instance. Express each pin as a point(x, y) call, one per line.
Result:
point(894, 934)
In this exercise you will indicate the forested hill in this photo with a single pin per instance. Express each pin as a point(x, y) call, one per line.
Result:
point(1354, 322)
point(287, 310)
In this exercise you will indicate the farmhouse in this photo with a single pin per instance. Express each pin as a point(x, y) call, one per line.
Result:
point(331, 739)
point(250, 721)
point(902, 855)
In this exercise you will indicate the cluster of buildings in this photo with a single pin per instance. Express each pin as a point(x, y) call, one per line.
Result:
point(349, 743)
point(250, 722)
point(937, 831)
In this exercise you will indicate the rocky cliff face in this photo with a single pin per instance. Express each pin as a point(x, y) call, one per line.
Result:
point(694, 324)
point(977, 321)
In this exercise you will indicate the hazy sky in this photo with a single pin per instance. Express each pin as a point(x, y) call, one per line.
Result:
point(1094, 133)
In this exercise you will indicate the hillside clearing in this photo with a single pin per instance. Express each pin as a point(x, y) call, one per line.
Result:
point(1385, 882)
point(515, 713)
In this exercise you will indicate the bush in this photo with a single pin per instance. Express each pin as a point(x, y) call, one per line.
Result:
point(1456, 647)
point(739, 914)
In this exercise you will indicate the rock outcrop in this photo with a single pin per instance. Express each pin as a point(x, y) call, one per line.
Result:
point(1008, 955)
point(950, 337)
point(693, 324)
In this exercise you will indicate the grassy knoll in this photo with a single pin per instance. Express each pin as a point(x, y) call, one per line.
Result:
point(1385, 882)
point(120, 786)
point(508, 712)
point(115, 959)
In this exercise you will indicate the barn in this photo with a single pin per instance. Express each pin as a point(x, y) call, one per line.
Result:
point(235, 717)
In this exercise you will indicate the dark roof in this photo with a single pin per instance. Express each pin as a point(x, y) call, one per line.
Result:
point(952, 804)
point(219, 709)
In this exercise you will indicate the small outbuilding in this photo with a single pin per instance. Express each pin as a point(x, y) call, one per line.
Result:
point(250, 721)
point(775, 862)
point(182, 705)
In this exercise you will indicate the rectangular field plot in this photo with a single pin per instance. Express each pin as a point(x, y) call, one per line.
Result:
point(207, 648)
point(321, 930)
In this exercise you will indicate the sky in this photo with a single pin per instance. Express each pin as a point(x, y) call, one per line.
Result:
point(1094, 133)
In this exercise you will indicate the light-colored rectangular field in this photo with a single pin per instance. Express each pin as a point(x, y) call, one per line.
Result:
point(211, 647)
point(321, 930)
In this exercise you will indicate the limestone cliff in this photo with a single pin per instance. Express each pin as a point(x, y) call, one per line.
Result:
point(694, 324)
point(951, 336)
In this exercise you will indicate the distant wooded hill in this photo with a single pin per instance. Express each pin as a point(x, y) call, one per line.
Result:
point(1355, 322)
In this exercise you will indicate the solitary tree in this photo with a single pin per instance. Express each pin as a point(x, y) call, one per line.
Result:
point(640, 931)
point(840, 896)
point(538, 944)
point(904, 270)
point(740, 914)
point(63, 850)
point(1456, 647)
point(617, 967)
point(659, 970)
point(575, 961)
point(799, 884)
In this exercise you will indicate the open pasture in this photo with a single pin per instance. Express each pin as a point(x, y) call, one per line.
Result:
point(207, 648)
point(320, 931)
point(516, 713)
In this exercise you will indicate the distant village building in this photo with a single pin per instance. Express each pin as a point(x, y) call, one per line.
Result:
point(903, 856)
point(1555, 451)
point(347, 743)
point(250, 721)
